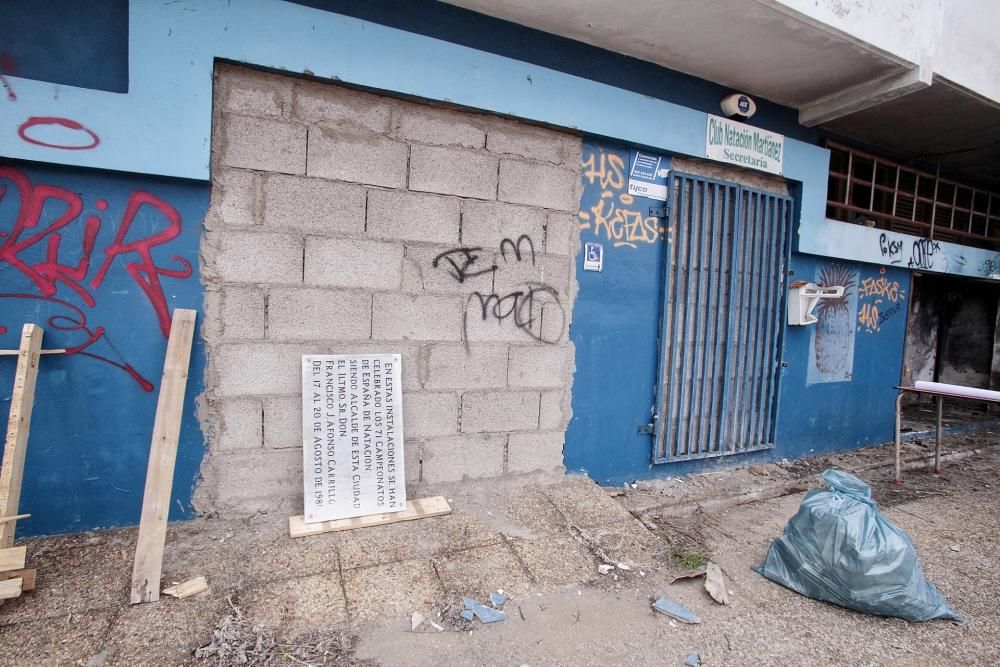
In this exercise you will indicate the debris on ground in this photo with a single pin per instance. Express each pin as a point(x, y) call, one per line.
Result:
point(690, 574)
point(692, 660)
point(715, 583)
point(187, 589)
point(874, 567)
point(497, 598)
point(485, 614)
point(420, 623)
point(237, 641)
point(604, 568)
point(674, 610)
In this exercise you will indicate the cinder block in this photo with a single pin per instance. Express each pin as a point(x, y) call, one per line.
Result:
point(413, 217)
point(453, 171)
point(283, 422)
point(538, 184)
point(427, 415)
point(313, 205)
point(555, 411)
point(241, 313)
point(451, 366)
point(234, 197)
point(430, 125)
point(411, 317)
point(556, 316)
point(256, 369)
point(540, 366)
point(412, 452)
point(252, 92)
point(264, 144)
point(499, 411)
point(450, 269)
point(561, 234)
point(488, 224)
point(335, 106)
point(361, 158)
point(535, 451)
point(513, 274)
point(240, 424)
point(254, 257)
point(243, 483)
point(488, 319)
point(318, 314)
point(353, 263)
point(536, 143)
point(463, 457)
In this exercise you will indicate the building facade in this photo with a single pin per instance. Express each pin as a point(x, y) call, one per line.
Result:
point(583, 257)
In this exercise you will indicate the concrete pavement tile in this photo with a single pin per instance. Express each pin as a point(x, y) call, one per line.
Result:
point(412, 539)
point(528, 514)
point(165, 632)
point(215, 553)
point(54, 641)
point(294, 606)
point(556, 560)
point(286, 557)
point(478, 571)
point(585, 504)
point(392, 589)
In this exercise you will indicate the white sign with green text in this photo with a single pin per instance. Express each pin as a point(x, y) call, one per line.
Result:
point(743, 145)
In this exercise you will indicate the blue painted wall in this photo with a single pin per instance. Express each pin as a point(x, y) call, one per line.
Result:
point(64, 266)
point(836, 389)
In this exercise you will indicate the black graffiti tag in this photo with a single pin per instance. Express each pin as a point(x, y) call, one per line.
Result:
point(890, 248)
point(922, 254)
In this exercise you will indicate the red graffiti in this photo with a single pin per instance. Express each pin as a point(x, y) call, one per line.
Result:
point(7, 66)
point(41, 121)
point(45, 212)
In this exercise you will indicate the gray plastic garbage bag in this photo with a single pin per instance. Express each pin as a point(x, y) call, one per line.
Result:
point(839, 548)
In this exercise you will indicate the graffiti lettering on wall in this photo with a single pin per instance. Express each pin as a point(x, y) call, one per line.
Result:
point(876, 295)
point(615, 216)
point(891, 249)
point(831, 353)
point(922, 254)
point(55, 250)
point(991, 267)
point(523, 306)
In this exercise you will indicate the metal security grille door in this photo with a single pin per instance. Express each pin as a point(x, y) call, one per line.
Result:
point(724, 287)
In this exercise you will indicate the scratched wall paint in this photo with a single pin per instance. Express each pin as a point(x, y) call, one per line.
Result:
point(831, 341)
point(100, 261)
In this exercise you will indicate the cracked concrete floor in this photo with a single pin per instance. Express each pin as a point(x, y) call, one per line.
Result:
point(540, 539)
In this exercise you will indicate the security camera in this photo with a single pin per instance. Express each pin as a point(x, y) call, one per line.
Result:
point(738, 105)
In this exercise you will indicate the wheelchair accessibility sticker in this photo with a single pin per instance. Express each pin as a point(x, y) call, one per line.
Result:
point(593, 257)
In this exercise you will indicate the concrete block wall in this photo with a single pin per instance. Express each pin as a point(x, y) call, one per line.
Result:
point(345, 221)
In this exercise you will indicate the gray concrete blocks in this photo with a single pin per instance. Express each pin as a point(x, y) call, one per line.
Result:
point(453, 171)
point(540, 366)
point(413, 217)
point(302, 313)
point(534, 143)
point(241, 424)
point(487, 224)
point(430, 125)
point(254, 257)
point(353, 263)
point(463, 457)
point(426, 415)
point(416, 317)
point(537, 184)
point(499, 411)
point(345, 222)
point(535, 451)
point(452, 366)
point(313, 205)
point(264, 144)
point(234, 198)
point(371, 159)
point(338, 107)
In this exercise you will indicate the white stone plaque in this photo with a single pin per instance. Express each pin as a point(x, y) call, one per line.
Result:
point(352, 435)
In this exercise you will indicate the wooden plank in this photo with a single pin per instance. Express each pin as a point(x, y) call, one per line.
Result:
point(18, 424)
point(12, 558)
point(13, 353)
point(415, 509)
point(16, 517)
point(27, 577)
point(187, 588)
point(162, 457)
point(11, 588)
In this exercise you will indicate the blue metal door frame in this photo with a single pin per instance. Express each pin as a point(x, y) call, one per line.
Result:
point(724, 275)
